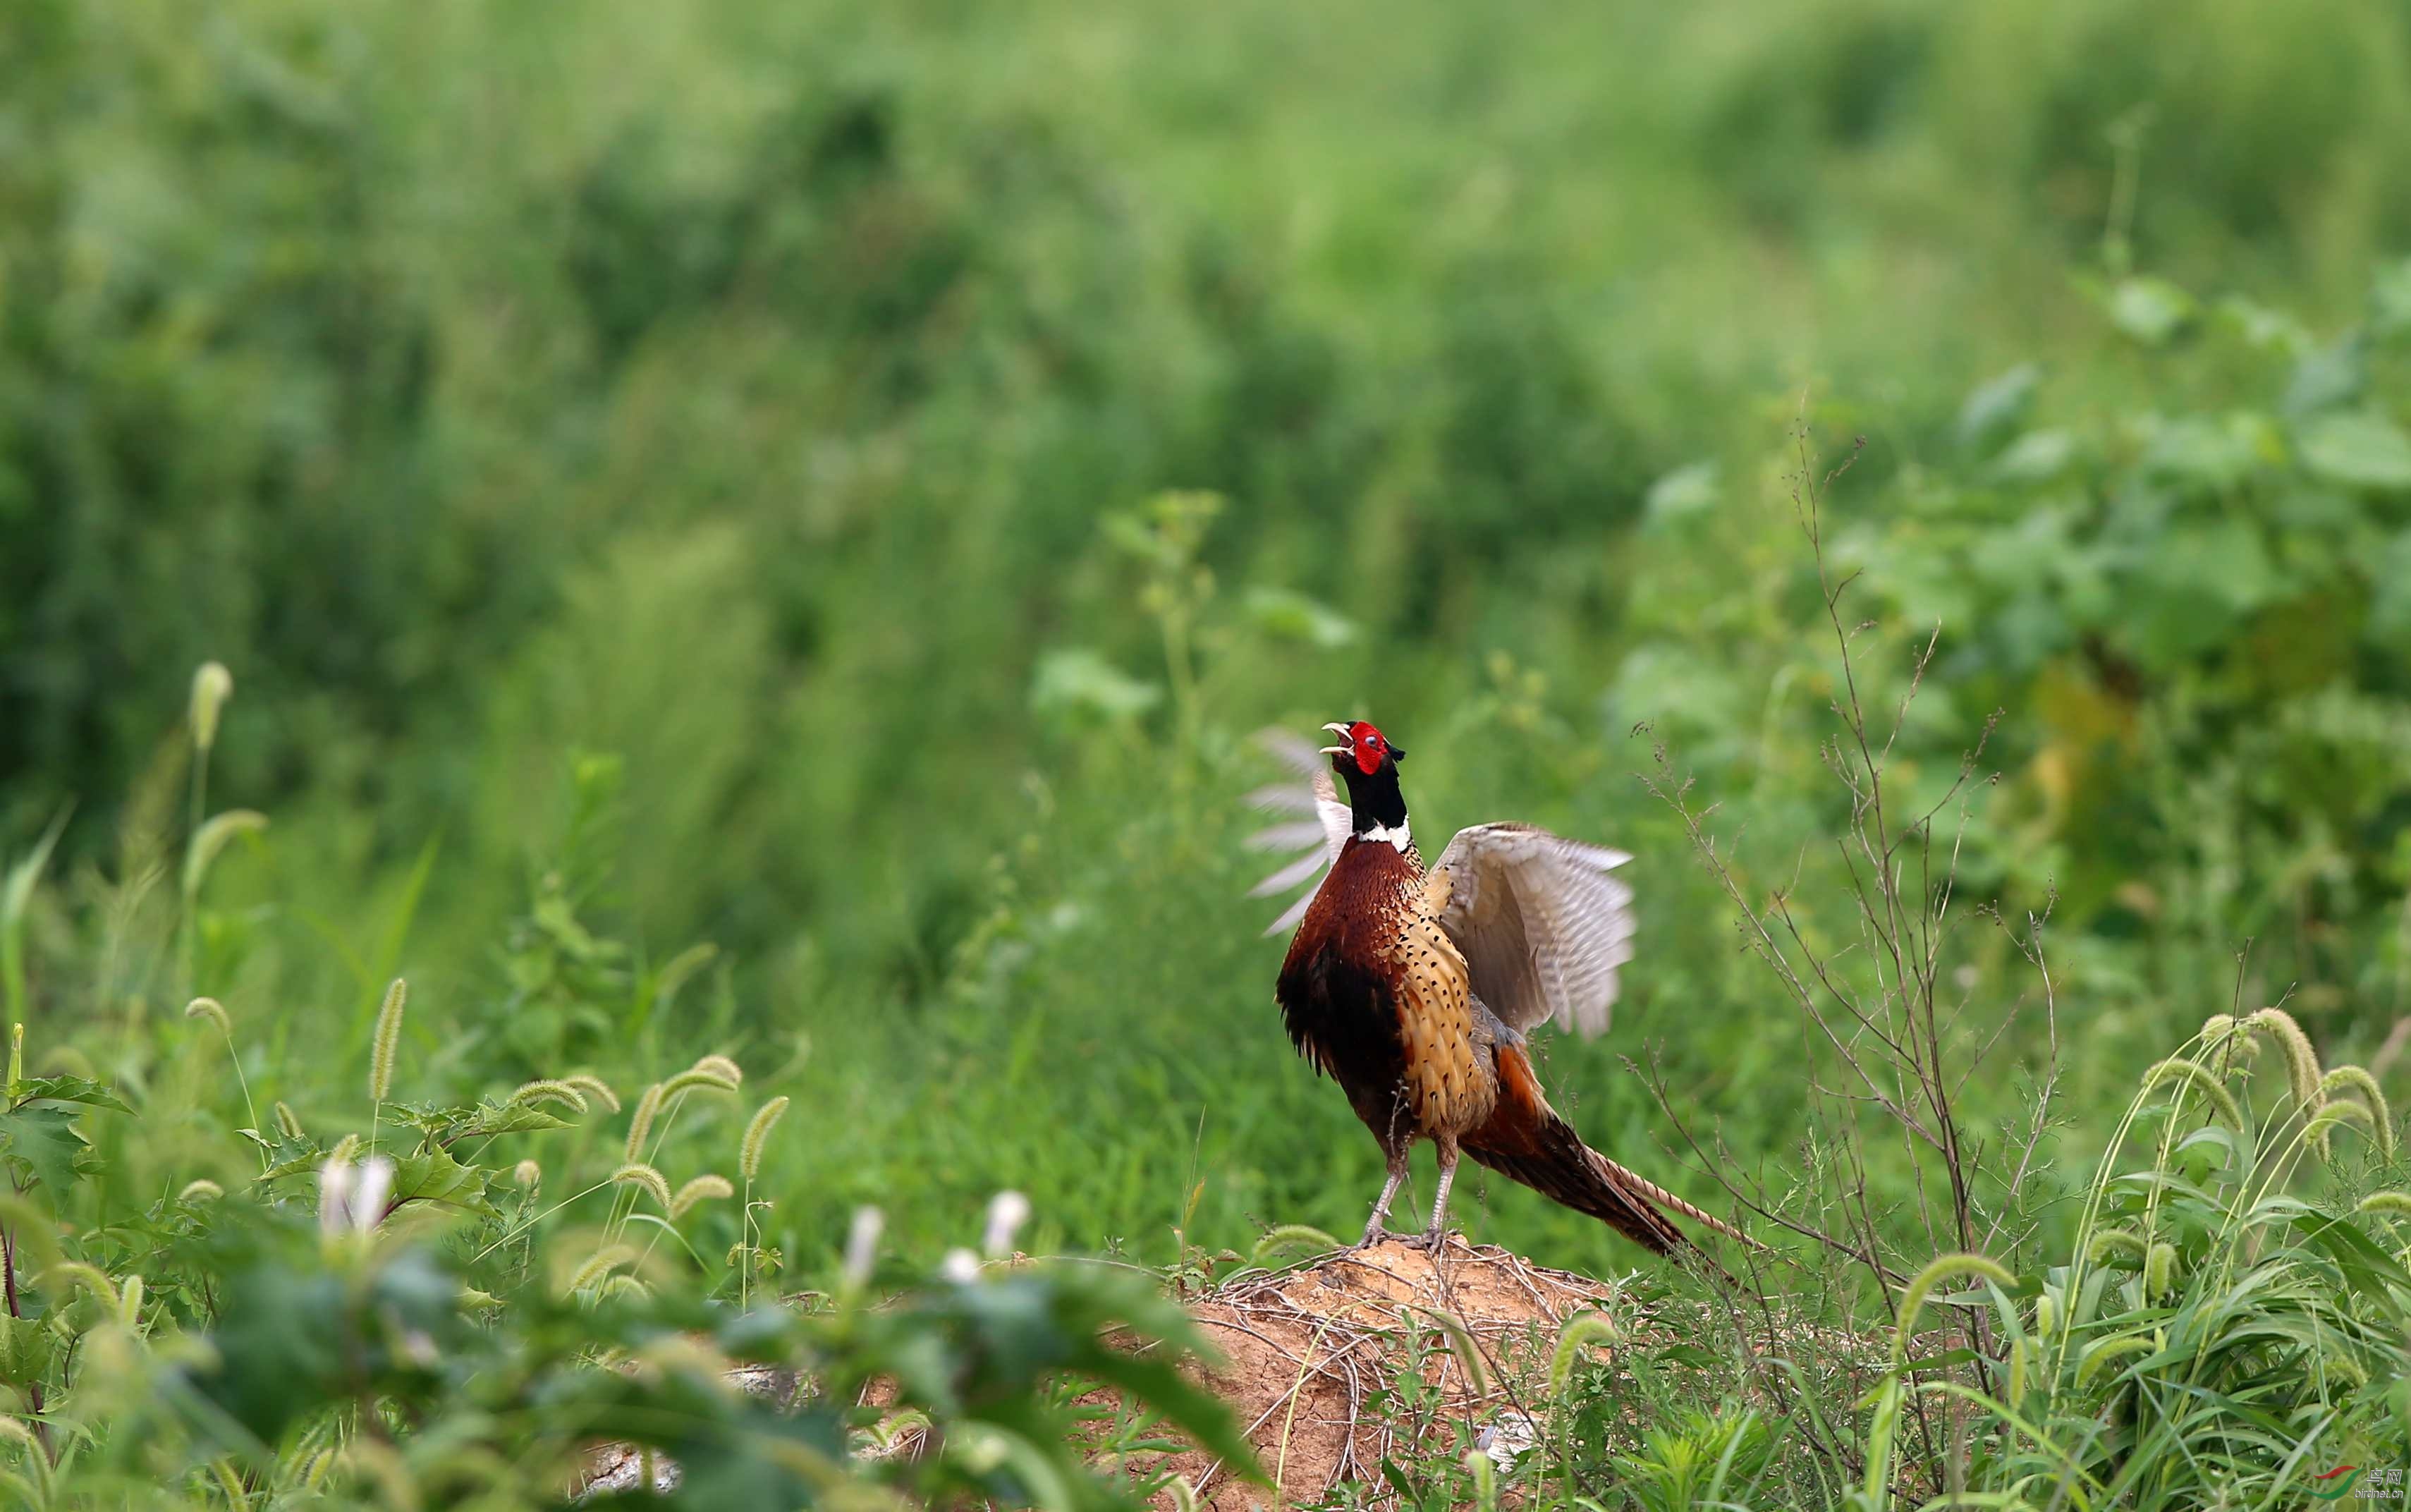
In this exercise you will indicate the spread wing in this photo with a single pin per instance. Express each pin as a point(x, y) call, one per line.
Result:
point(1318, 824)
point(1542, 923)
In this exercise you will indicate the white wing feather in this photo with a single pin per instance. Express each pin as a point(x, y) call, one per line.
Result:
point(1542, 925)
point(1321, 836)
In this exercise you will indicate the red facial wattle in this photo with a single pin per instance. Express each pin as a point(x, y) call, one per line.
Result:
point(1366, 744)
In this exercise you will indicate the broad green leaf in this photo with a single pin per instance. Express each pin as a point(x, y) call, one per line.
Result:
point(2327, 377)
point(449, 1125)
point(2360, 450)
point(2216, 453)
point(1686, 491)
point(287, 1158)
point(2153, 311)
point(1078, 680)
point(68, 1090)
point(2036, 457)
point(46, 1139)
point(2186, 595)
point(2271, 330)
point(434, 1176)
point(1293, 616)
point(27, 1348)
point(1998, 406)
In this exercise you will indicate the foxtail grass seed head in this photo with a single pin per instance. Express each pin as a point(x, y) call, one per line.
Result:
point(757, 1136)
point(527, 1175)
point(2100, 1354)
point(1580, 1333)
point(696, 1079)
point(369, 1460)
point(2017, 1383)
point(548, 1091)
point(345, 1148)
point(1478, 1465)
point(704, 1188)
point(2391, 1204)
point(388, 1039)
point(2159, 1269)
point(287, 1121)
point(2302, 1060)
point(2323, 1123)
point(624, 1285)
point(129, 1304)
point(1461, 1345)
point(1940, 1268)
point(645, 1179)
point(594, 1088)
point(2225, 1038)
point(2356, 1080)
point(2046, 1314)
point(601, 1263)
point(211, 838)
point(214, 1011)
point(720, 1065)
point(641, 1123)
point(2199, 1078)
point(212, 685)
point(91, 1279)
point(862, 1246)
point(1301, 1237)
point(200, 1189)
point(2118, 1244)
point(1006, 1213)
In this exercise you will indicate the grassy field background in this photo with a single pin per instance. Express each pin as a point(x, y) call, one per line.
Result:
point(677, 473)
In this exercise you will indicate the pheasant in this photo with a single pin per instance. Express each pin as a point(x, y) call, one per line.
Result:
point(1414, 989)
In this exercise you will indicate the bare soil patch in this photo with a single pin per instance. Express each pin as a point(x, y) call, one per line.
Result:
point(1323, 1361)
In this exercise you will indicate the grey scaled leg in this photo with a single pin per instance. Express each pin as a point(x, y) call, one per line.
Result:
point(1435, 1236)
point(1373, 1234)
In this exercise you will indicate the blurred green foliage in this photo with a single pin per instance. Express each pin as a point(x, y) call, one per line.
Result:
point(841, 483)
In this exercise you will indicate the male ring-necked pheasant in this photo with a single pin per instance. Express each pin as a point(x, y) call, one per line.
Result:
point(1414, 989)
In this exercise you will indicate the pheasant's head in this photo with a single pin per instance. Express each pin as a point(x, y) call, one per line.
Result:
point(1361, 748)
point(1369, 764)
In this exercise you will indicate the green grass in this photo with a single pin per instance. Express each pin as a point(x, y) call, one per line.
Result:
point(735, 476)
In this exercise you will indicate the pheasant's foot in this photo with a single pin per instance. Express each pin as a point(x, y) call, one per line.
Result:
point(1375, 1234)
point(1431, 1240)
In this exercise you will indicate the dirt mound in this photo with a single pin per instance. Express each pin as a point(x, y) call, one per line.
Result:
point(1334, 1365)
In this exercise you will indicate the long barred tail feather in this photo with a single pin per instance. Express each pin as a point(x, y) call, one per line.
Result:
point(1668, 1200)
point(1562, 1171)
point(1527, 1142)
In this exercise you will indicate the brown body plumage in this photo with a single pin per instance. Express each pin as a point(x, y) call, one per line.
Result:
point(1378, 995)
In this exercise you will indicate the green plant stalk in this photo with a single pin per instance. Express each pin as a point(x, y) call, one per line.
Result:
point(16, 895)
point(250, 1110)
point(190, 925)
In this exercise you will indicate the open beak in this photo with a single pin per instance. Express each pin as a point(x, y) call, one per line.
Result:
point(1341, 730)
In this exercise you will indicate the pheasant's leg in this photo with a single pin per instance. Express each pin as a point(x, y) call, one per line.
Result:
point(1437, 1235)
point(1373, 1234)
